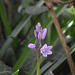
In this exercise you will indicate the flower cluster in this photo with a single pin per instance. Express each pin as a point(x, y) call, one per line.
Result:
point(40, 35)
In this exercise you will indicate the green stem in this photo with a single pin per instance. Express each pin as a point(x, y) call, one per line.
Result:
point(38, 61)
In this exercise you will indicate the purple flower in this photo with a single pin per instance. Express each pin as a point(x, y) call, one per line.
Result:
point(36, 33)
point(32, 46)
point(38, 30)
point(44, 32)
point(45, 50)
point(38, 27)
point(39, 33)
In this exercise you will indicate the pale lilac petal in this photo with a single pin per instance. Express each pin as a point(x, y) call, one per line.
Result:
point(45, 55)
point(44, 46)
point(44, 32)
point(32, 46)
point(38, 27)
point(50, 47)
point(49, 52)
point(39, 35)
point(38, 24)
point(35, 33)
point(42, 51)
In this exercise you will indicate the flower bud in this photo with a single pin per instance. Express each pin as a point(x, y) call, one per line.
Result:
point(32, 46)
point(39, 35)
point(36, 33)
point(38, 27)
point(44, 32)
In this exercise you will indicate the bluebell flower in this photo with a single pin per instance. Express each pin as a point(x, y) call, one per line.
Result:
point(39, 33)
point(45, 50)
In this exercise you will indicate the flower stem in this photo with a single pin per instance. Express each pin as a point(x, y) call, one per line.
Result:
point(38, 61)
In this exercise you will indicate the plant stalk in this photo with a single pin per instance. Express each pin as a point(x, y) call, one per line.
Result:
point(38, 60)
point(61, 36)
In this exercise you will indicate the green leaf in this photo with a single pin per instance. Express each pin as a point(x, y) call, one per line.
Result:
point(4, 19)
point(60, 61)
point(23, 57)
point(15, 73)
point(14, 34)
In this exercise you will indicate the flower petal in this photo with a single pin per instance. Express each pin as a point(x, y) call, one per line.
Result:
point(45, 55)
point(38, 27)
point(36, 33)
point(38, 24)
point(44, 32)
point(44, 46)
point(50, 47)
point(32, 46)
point(39, 35)
point(49, 52)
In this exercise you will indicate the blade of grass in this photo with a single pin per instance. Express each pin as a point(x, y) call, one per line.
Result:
point(15, 73)
point(23, 57)
point(60, 61)
point(13, 34)
point(4, 19)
